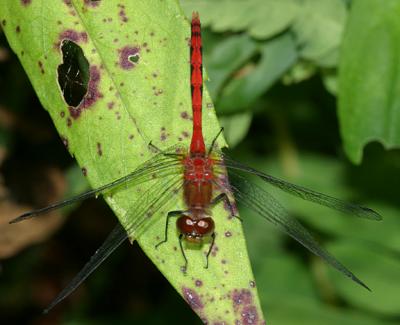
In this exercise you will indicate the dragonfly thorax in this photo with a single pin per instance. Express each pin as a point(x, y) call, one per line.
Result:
point(198, 168)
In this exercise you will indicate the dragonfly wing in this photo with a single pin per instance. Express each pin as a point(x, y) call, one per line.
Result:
point(305, 193)
point(143, 209)
point(162, 164)
point(116, 237)
point(256, 198)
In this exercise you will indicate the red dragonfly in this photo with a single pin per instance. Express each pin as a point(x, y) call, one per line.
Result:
point(201, 173)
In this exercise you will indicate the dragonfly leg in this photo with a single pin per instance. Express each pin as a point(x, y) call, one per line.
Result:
point(169, 215)
point(210, 249)
point(183, 253)
point(154, 147)
point(214, 140)
point(158, 150)
point(224, 197)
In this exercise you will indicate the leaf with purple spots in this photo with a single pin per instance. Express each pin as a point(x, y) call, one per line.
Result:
point(126, 84)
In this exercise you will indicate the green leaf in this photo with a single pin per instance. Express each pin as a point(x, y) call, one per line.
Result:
point(318, 28)
point(250, 15)
point(305, 312)
point(369, 83)
point(236, 127)
point(138, 91)
point(379, 269)
point(228, 56)
point(277, 56)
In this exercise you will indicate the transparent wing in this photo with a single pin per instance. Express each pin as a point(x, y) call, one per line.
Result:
point(139, 216)
point(256, 198)
point(304, 193)
point(161, 165)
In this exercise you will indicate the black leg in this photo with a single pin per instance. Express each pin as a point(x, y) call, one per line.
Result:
point(153, 147)
point(214, 140)
point(169, 215)
point(158, 150)
point(210, 249)
point(183, 253)
point(224, 197)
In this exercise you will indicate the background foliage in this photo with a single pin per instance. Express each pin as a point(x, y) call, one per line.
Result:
point(277, 70)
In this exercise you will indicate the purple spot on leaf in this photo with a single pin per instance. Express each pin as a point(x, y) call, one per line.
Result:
point(92, 3)
point(192, 298)
point(128, 57)
point(93, 93)
point(241, 297)
point(249, 315)
point(26, 2)
point(198, 283)
point(73, 35)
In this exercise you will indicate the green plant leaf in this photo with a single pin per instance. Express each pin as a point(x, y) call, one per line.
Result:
point(277, 56)
point(236, 127)
point(136, 54)
point(250, 15)
point(318, 29)
point(228, 56)
point(369, 83)
point(375, 265)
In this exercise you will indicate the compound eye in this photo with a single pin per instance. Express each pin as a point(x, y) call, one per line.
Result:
point(205, 226)
point(185, 225)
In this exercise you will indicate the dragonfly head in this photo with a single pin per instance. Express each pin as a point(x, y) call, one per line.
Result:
point(195, 229)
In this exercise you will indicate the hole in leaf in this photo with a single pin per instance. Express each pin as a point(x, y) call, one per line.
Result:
point(73, 73)
point(134, 58)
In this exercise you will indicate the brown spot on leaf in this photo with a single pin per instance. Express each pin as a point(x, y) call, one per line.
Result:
point(99, 150)
point(185, 115)
point(40, 64)
point(122, 14)
point(84, 171)
point(18, 29)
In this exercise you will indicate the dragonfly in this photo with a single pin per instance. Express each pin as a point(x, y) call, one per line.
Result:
point(199, 173)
